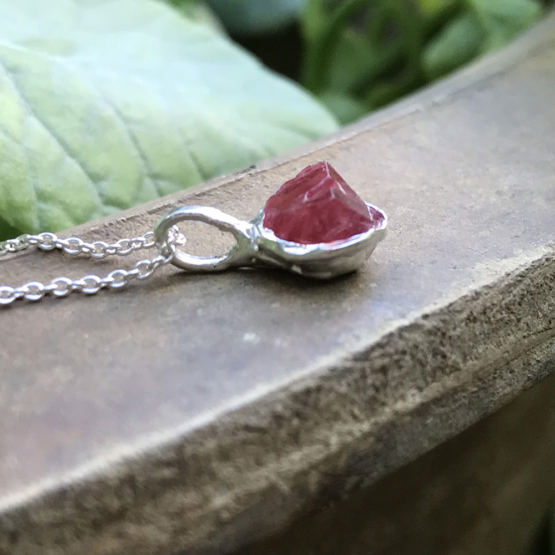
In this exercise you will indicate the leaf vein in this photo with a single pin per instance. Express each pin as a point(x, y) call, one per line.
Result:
point(65, 149)
point(148, 174)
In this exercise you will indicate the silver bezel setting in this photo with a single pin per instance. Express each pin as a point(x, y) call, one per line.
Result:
point(258, 246)
point(319, 260)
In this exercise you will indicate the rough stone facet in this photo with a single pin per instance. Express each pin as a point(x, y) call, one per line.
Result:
point(317, 206)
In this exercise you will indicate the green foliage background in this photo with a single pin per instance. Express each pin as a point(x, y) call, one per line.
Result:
point(361, 54)
point(105, 104)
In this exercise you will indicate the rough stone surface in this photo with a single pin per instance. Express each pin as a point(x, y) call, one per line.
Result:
point(204, 412)
point(483, 492)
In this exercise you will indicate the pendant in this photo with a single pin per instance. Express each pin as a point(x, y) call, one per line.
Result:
point(315, 225)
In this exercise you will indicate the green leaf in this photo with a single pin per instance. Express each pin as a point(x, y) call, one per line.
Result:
point(458, 43)
point(502, 20)
point(314, 19)
point(105, 104)
point(353, 58)
point(199, 12)
point(432, 8)
point(345, 107)
point(7, 231)
point(256, 17)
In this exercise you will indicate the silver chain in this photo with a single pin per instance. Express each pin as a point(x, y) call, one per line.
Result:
point(91, 284)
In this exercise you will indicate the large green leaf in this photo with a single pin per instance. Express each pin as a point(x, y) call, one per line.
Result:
point(108, 103)
point(199, 12)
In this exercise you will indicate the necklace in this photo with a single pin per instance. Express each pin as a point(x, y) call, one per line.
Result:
point(315, 225)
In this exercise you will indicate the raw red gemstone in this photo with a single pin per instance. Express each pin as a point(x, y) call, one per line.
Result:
point(317, 206)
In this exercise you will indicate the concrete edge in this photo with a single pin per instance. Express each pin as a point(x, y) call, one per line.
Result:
point(250, 471)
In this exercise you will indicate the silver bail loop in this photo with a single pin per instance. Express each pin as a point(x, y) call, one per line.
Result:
point(240, 255)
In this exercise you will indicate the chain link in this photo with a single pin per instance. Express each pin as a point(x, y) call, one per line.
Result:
point(75, 246)
point(91, 284)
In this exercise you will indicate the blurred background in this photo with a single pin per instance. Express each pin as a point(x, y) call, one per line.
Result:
point(359, 55)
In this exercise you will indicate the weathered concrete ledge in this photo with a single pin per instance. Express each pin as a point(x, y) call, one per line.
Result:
point(202, 413)
point(487, 490)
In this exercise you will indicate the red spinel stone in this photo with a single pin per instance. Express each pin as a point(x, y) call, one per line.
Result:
point(317, 206)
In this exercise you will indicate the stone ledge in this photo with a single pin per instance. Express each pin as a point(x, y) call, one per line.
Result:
point(203, 413)
point(485, 491)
